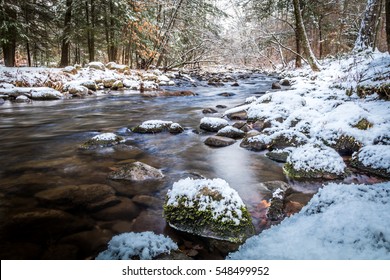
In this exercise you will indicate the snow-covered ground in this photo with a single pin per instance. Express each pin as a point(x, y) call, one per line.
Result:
point(341, 221)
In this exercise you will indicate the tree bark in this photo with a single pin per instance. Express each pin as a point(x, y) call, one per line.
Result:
point(65, 46)
point(302, 37)
point(366, 36)
point(387, 7)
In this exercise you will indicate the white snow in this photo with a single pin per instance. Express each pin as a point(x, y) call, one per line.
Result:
point(311, 157)
point(375, 156)
point(340, 222)
point(214, 122)
point(195, 190)
point(145, 245)
point(105, 137)
point(229, 128)
point(151, 124)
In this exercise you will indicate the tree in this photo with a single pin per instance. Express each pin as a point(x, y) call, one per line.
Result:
point(65, 45)
point(9, 30)
point(367, 32)
point(387, 6)
point(301, 36)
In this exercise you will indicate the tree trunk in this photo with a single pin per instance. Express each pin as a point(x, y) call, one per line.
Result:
point(9, 50)
point(366, 36)
point(91, 19)
point(302, 37)
point(66, 34)
point(387, 5)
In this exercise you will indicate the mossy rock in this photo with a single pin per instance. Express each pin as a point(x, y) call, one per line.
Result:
point(345, 145)
point(193, 215)
point(282, 141)
point(290, 171)
point(363, 124)
point(278, 156)
point(154, 126)
point(101, 141)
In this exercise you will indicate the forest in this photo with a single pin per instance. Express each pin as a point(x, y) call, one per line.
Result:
point(195, 130)
point(177, 33)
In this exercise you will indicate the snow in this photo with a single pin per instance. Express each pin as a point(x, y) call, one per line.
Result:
point(375, 156)
point(105, 137)
point(311, 157)
point(214, 122)
point(340, 222)
point(151, 124)
point(145, 245)
point(228, 207)
point(229, 128)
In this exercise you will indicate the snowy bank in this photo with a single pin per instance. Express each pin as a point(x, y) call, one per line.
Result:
point(340, 222)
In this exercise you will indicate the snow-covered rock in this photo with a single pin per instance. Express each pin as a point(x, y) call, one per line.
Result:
point(22, 99)
point(45, 93)
point(219, 141)
point(340, 222)
point(102, 140)
point(143, 246)
point(153, 126)
point(70, 69)
point(96, 65)
point(132, 84)
point(78, 91)
point(208, 207)
point(175, 128)
point(314, 161)
point(374, 159)
point(231, 132)
point(213, 124)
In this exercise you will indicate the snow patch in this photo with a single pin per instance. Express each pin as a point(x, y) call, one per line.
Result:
point(375, 156)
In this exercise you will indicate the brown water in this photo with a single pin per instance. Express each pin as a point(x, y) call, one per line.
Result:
point(39, 150)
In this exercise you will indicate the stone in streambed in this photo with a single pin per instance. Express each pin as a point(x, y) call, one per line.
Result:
point(231, 132)
point(136, 171)
point(102, 140)
point(219, 141)
point(89, 197)
point(126, 210)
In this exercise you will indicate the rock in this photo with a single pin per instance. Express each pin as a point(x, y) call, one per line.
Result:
point(153, 126)
point(70, 69)
point(96, 65)
point(45, 93)
point(125, 210)
point(345, 145)
point(130, 245)
point(2, 101)
point(89, 84)
point(242, 115)
point(175, 128)
point(163, 80)
point(149, 77)
point(226, 94)
point(254, 143)
point(117, 85)
point(374, 159)
point(149, 219)
point(176, 93)
point(231, 132)
point(148, 86)
point(209, 111)
point(285, 139)
point(260, 125)
point(89, 243)
point(22, 99)
point(136, 171)
point(276, 210)
point(42, 223)
point(209, 208)
point(213, 124)
point(285, 82)
point(102, 140)
point(266, 189)
point(89, 197)
point(221, 106)
point(235, 84)
point(315, 162)
point(363, 124)
point(278, 155)
point(108, 82)
point(215, 82)
point(132, 84)
point(78, 91)
point(276, 85)
point(219, 141)
point(118, 67)
point(61, 252)
point(243, 126)
point(148, 201)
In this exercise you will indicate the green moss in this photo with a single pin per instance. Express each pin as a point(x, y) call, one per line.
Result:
point(363, 124)
point(290, 171)
point(94, 144)
point(203, 223)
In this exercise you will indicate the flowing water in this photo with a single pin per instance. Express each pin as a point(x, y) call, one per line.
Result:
point(39, 150)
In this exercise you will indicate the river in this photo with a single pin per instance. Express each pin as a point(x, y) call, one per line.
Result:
point(39, 150)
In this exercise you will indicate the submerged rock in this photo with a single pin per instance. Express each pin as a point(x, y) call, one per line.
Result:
point(219, 141)
point(89, 197)
point(209, 208)
point(136, 171)
point(102, 140)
